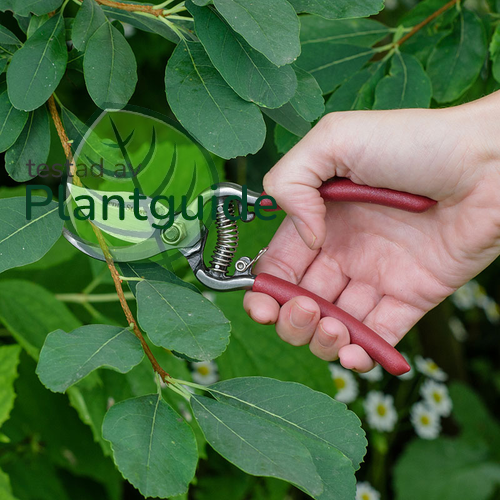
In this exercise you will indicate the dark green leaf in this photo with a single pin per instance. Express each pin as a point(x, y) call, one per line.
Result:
point(177, 318)
point(88, 20)
point(252, 76)
point(284, 139)
point(153, 447)
point(271, 28)
point(9, 359)
point(332, 63)
point(3, 64)
point(37, 68)
point(406, 86)
point(25, 241)
point(363, 32)
point(202, 3)
point(448, 469)
point(46, 313)
point(7, 37)
point(307, 101)
point(287, 117)
point(495, 53)
point(35, 23)
point(455, 63)
point(33, 144)
point(209, 109)
point(12, 120)
point(339, 8)
point(255, 445)
point(37, 7)
point(5, 488)
point(110, 68)
point(66, 358)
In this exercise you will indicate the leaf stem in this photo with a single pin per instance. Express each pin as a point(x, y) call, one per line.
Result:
point(163, 4)
point(190, 384)
point(125, 278)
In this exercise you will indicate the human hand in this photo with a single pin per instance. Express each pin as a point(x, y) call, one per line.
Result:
point(385, 267)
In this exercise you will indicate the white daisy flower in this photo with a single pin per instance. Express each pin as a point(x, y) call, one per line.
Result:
point(457, 328)
point(365, 491)
point(345, 383)
point(204, 372)
point(428, 367)
point(491, 309)
point(466, 297)
point(408, 375)
point(380, 412)
point(374, 375)
point(425, 420)
point(437, 397)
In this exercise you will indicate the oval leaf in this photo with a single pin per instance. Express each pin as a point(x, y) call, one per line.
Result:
point(88, 20)
point(456, 61)
point(287, 117)
point(25, 241)
point(110, 68)
point(252, 76)
point(12, 120)
point(406, 86)
point(153, 447)
point(7, 37)
point(37, 7)
point(37, 68)
point(179, 319)
point(209, 109)
point(66, 358)
point(33, 145)
point(339, 8)
point(308, 100)
point(9, 359)
point(269, 27)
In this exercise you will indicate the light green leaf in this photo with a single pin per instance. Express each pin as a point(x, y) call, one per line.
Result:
point(339, 8)
point(5, 489)
point(406, 86)
point(11, 120)
point(307, 101)
point(448, 469)
point(269, 27)
point(283, 139)
point(25, 241)
point(252, 76)
point(455, 63)
point(66, 358)
point(7, 37)
point(32, 145)
point(332, 63)
point(110, 68)
point(363, 32)
point(37, 7)
point(36, 69)
point(209, 109)
point(153, 447)
point(179, 319)
point(9, 359)
point(88, 20)
point(255, 445)
point(46, 313)
point(288, 117)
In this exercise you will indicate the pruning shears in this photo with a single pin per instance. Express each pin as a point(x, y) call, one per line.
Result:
point(189, 237)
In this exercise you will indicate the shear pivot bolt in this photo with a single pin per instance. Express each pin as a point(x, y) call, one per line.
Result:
point(174, 234)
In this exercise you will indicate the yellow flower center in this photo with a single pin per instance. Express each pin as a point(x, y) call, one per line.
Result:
point(425, 420)
point(203, 370)
point(339, 383)
point(381, 410)
point(437, 397)
point(433, 366)
point(365, 496)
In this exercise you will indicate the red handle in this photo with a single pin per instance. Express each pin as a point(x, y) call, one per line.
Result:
point(378, 349)
point(339, 189)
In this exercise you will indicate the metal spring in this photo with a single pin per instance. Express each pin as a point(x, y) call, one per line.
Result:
point(227, 240)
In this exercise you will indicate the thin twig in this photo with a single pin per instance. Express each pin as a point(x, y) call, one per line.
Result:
point(80, 298)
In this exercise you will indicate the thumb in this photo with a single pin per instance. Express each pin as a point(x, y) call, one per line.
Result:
point(294, 181)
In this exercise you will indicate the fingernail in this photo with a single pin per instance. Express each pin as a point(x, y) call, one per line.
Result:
point(305, 232)
point(326, 339)
point(300, 317)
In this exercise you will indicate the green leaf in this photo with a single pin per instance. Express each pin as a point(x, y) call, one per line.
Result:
point(32, 145)
point(455, 63)
point(287, 117)
point(11, 120)
point(35, 23)
point(46, 313)
point(495, 53)
point(202, 3)
point(339, 8)
point(36, 70)
point(25, 241)
point(269, 27)
point(362, 32)
point(7, 37)
point(307, 101)
point(448, 469)
point(284, 140)
point(88, 20)
point(9, 359)
point(66, 358)
point(406, 86)
point(252, 76)
point(179, 319)
point(332, 63)
point(153, 447)
point(208, 108)
point(110, 68)
point(5, 489)
point(37, 7)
